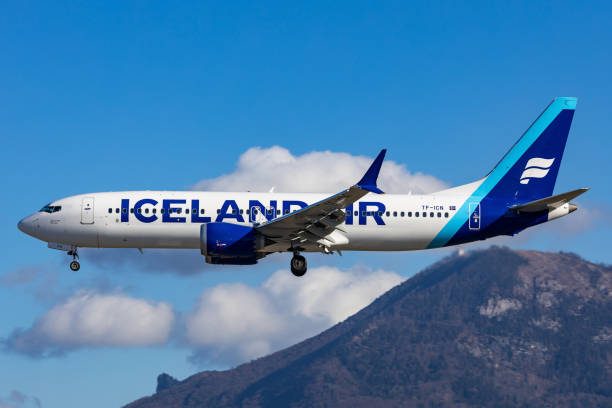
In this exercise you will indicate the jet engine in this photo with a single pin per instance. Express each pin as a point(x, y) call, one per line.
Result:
point(229, 244)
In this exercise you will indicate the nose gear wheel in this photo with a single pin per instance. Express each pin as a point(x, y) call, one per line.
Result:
point(74, 265)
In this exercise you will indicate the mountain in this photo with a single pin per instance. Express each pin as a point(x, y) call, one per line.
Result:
point(492, 327)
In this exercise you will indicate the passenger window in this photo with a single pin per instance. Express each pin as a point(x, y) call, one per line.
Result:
point(439, 215)
point(155, 211)
point(194, 211)
point(395, 213)
point(116, 211)
point(218, 211)
point(388, 213)
point(146, 210)
point(416, 213)
point(269, 212)
point(202, 211)
point(402, 214)
point(445, 215)
point(179, 210)
point(162, 210)
point(380, 213)
point(125, 211)
point(356, 213)
point(110, 210)
point(140, 211)
point(363, 213)
point(241, 211)
point(410, 213)
point(424, 214)
point(132, 210)
point(431, 214)
point(254, 211)
point(287, 212)
point(247, 211)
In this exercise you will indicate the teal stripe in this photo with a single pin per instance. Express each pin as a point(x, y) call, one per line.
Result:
point(517, 151)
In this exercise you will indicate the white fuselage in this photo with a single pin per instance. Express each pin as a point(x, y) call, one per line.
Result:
point(106, 220)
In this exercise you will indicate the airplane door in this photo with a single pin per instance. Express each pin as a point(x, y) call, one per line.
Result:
point(474, 222)
point(87, 210)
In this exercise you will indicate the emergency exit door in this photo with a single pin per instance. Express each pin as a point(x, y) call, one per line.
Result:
point(87, 210)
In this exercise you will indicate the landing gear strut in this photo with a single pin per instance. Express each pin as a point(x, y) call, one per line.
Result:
point(298, 265)
point(74, 265)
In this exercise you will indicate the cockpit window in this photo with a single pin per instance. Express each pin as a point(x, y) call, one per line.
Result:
point(51, 208)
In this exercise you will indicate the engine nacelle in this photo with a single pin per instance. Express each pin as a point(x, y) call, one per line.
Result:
point(225, 243)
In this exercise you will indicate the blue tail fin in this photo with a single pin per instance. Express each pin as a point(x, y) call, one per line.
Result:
point(526, 173)
point(529, 170)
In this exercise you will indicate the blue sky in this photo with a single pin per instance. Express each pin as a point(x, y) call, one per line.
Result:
point(150, 95)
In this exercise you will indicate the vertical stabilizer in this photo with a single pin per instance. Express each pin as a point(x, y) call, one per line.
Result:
point(526, 173)
point(529, 170)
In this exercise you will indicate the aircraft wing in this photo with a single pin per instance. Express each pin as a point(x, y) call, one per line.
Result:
point(548, 202)
point(318, 223)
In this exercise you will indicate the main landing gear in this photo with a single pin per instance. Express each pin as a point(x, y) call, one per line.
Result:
point(74, 265)
point(298, 264)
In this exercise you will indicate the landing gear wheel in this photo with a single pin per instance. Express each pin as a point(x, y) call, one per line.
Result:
point(74, 265)
point(298, 265)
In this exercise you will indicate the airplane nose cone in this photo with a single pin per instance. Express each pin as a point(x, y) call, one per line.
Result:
point(26, 225)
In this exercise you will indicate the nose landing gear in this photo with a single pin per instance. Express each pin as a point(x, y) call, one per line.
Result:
point(298, 264)
point(74, 265)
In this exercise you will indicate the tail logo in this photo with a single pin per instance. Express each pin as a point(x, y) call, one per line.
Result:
point(536, 168)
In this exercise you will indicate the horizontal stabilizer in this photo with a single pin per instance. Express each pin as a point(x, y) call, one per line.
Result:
point(549, 202)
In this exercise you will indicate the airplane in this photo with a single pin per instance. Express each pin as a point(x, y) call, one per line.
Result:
point(239, 228)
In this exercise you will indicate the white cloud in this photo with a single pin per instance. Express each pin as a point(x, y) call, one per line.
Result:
point(89, 319)
point(232, 323)
point(260, 169)
point(235, 316)
point(229, 323)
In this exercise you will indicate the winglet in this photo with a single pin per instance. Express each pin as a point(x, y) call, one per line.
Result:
point(368, 181)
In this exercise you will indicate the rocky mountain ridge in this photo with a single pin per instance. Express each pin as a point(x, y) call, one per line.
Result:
point(492, 327)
